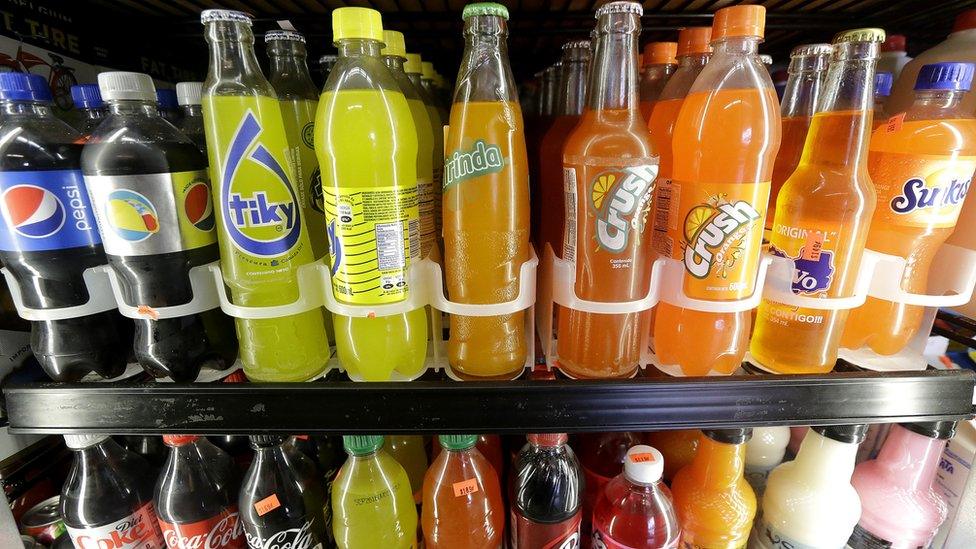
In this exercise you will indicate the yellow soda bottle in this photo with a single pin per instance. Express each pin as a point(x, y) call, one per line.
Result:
point(260, 227)
point(414, 69)
point(410, 453)
point(371, 500)
point(366, 144)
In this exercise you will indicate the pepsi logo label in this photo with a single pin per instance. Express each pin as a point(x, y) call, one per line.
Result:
point(45, 210)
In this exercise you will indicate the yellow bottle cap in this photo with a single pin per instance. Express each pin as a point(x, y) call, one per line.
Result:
point(428, 70)
point(413, 64)
point(362, 23)
point(394, 44)
point(860, 35)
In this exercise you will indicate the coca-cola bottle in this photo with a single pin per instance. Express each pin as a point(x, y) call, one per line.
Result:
point(546, 495)
point(106, 500)
point(282, 499)
point(196, 496)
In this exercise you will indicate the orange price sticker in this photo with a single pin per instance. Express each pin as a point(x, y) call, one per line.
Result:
point(267, 505)
point(301, 437)
point(813, 246)
point(894, 123)
point(646, 457)
point(465, 487)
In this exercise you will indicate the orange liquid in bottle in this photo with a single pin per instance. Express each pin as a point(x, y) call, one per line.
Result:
point(787, 159)
point(552, 206)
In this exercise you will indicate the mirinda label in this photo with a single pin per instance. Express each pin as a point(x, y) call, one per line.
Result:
point(920, 190)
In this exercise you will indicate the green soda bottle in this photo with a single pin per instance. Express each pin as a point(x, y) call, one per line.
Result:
point(260, 226)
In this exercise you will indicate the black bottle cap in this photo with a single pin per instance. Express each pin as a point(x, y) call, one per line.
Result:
point(850, 434)
point(264, 441)
point(943, 430)
point(729, 436)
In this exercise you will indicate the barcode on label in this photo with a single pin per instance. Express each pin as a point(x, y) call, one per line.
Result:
point(267, 505)
point(413, 229)
point(663, 197)
point(569, 235)
point(389, 246)
point(465, 487)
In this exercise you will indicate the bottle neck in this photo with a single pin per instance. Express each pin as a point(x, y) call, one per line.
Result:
point(289, 72)
point(485, 73)
point(911, 458)
point(826, 459)
point(801, 92)
point(738, 46)
point(192, 111)
point(33, 108)
point(613, 81)
point(937, 99)
point(394, 63)
point(133, 107)
point(719, 464)
point(573, 94)
point(233, 61)
point(95, 113)
point(352, 48)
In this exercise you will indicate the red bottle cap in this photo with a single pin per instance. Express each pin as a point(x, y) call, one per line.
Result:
point(694, 40)
point(660, 53)
point(548, 439)
point(894, 42)
point(178, 440)
point(965, 21)
point(747, 20)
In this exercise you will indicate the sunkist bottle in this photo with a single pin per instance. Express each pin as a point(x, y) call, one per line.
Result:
point(462, 500)
point(410, 453)
point(601, 456)
point(921, 164)
point(260, 226)
point(88, 99)
point(882, 89)
point(900, 507)
point(809, 502)
point(366, 143)
point(610, 166)
point(725, 140)
point(486, 200)
point(714, 502)
point(807, 70)
point(190, 97)
point(764, 451)
point(414, 69)
point(822, 216)
point(659, 63)
point(371, 500)
point(678, 448)
point(546, 493)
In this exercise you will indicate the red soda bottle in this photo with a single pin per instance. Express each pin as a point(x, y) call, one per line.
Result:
point(602, 457)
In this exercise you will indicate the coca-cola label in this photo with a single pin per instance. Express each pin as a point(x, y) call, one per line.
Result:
point(528, 534)
point(294, 538)
point(136, 531)
point(223, 531)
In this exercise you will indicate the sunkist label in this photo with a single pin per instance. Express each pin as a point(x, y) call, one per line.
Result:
point(136, 531)
point(223, 531)
point(45, 210)
point(920, 190)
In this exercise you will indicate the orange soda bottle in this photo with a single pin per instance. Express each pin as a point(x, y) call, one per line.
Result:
point(678, 448)
point(922, 163)
point(657, 65)
point(462, 505)
point(610, 167)
point(725, 140)
point(486, 200)
point(822, 216)
point(714, 502)
point(808, 66)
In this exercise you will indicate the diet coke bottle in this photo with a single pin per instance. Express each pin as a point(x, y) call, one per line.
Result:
point(546, 495)
point(196, 496)
point(107, 499)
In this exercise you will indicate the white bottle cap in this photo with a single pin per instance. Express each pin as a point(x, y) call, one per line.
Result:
point(83, 441)
point(189, 93)
point(126, 85)
point(643, 464)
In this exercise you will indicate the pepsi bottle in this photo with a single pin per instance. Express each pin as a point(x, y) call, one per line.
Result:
point(88, 100)
point(48, 234)
point(188, 94)
point(149, 186)
point(168, 106)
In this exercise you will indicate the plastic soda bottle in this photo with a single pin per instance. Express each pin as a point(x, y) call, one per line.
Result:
point(601, 455)
point(546, 494)
point(190, 96)
point(921, 163)
point(366, 143)
point(486, 200)
point(410, 453)
point(462, 505)
point(807, 70)
point(490, 447)
point(714, 502)
point(427, 81)
point(659, 63)
point(88, 99)
point(678, 448)
point(260, 228)
point(764, 451)
point(609, 167)
point(635, 510)
point(882, 89)
point(724, 144)
point(414, 69)
point(822, 216)
point(809, 502)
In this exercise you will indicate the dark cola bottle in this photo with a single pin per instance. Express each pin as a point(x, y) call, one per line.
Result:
point(196, 496)
point(107, 499)
point(282, 501)
point(151, 448)
point(149, 186)
point(48, 233)
point(546, 495)
point(188, 95)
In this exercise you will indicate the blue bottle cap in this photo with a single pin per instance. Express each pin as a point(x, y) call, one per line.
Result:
point(87, 96)
point(167, 98)
point(19, 86)
point(945, 76)
point(882, 84)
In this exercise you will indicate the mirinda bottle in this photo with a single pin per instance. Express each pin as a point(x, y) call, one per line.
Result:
point(921, 163)
point(714, 502)
point(822, 216)
point(725, 141)
point(610, 166)
point(657, 65)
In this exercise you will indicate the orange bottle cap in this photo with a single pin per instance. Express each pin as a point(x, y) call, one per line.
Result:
point(694, 40)
point(660, 53)
point(894, 42)
point(965, 21)
point(748, 20)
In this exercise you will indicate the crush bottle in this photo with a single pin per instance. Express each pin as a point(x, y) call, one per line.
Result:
point(725, 140)
point(486, 199)
point(366, 144)
point(822, 216)
point(921, 165)
point(260, 225)
point(414, 70)
point(609, 166)
point(659, 64)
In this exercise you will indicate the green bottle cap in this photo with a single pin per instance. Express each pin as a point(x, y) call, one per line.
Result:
point(358, 445)
point(458, 442)
point(484, 8)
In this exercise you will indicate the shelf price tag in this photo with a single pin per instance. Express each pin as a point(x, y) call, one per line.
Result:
point(465, 487)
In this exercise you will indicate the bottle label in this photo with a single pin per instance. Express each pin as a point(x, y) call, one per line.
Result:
point(527, 534)
point(719, 227)
point(919, 190)
point(813, 255)
point(569, 234)
point(481, 159)
point(428, 229)
point(602, 540)
point(767, 537)
point(45, 210)
point(136, 531)
point(664, 216)
point(223, 531)
point(301, 537)
point(374, 232)
point(153, 213)
point(298, 115)
point(862, 539)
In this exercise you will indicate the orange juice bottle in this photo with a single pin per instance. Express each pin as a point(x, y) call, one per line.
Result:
point(922, 163)
point(808, 66)
point(715, 504)
point(678, 448)
point(657, 65)
point(486, 200)
point(610, 167)
point(725, 140)
point(823, 214)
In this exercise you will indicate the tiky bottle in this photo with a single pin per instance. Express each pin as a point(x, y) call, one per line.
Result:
point(601, 456)
point(659, 64)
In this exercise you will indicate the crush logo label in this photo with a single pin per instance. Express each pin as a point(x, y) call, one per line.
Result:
point(916, 194)
point(257, 223)
point(482, 159)
point(713, 232)
point(620, 199)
